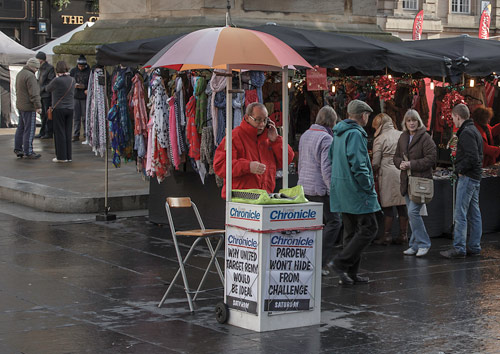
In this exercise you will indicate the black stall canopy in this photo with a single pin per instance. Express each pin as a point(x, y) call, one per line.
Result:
point(324, 49)
point(469, 55)
point(333, 50)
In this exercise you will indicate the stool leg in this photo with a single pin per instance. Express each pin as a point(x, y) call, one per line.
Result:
point(217, 265)
point(176, 276)
point(214, 257)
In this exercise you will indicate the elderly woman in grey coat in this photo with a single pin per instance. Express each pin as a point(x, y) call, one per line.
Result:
point(388, 177)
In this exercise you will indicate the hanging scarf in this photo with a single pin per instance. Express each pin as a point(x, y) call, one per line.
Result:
point(179, 90)
point(140, 115)
point(238, 101)
point(207, 148)
point(217, 84)
point(220, 103)
point(120, 124)
point(201, 103)
point(160, 118)
point(174, 147)
point(257, 79)
point(96, 113)
point(193, 136)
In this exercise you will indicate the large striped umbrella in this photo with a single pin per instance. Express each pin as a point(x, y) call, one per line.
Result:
point(216, 48)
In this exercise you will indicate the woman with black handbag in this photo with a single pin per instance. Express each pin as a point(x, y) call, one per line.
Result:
point(62, 88)
point(415, 152)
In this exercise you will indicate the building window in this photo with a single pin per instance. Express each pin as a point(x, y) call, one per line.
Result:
point(460, 6)
point(410, 4)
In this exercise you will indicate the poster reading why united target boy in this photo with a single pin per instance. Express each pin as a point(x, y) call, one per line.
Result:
point(290, 272)
point(242, 269)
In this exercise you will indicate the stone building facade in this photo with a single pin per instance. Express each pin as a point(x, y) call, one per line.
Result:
point(442, 18)
point(125, 20)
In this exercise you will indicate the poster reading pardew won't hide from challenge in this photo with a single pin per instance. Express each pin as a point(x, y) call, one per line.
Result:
point(290, 272)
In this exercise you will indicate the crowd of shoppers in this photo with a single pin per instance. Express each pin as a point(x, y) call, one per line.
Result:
point(59, 96)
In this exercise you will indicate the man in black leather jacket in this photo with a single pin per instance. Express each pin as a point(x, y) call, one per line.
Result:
point(45, 76)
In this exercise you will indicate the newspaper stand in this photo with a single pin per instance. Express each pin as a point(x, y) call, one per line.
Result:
point(273, 265)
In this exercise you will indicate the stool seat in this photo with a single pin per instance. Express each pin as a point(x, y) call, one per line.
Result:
point(201, 233)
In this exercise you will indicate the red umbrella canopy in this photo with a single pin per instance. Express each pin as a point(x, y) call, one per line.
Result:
point(215, 48)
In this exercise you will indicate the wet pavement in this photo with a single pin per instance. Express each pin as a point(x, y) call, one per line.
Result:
point(93, 287)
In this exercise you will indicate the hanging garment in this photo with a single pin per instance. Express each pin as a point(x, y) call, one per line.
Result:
point(220, 103)
point(207, 148)
point(193, 137)
point(140, 115)
point(179, 92)
point(217, 84)
point(160, 118)
point(96, 112)
point(119, 123)
point(257, 79)
point(172, 130)
point(251, 97)
point(238, 102)
point(201, 103)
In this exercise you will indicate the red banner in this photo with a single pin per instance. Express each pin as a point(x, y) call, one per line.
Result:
point(484, 22)
point(418, 24)
point(316, 79)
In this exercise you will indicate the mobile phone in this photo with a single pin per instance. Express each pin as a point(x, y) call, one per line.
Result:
point(268, 124)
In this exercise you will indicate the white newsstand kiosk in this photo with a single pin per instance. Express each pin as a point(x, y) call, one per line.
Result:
point(273, 265)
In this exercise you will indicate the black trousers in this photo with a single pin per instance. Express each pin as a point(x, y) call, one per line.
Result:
point(46, 128)
point(359, 232)
point(331, 231)
point(63, 125)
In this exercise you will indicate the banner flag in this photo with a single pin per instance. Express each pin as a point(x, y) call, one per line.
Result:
point(484, 22)
point(418, 24)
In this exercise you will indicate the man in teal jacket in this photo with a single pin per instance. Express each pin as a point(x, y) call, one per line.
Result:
point(352, 191)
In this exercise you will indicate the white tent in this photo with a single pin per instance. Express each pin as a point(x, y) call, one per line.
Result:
point(12, 54)
point(48, 48)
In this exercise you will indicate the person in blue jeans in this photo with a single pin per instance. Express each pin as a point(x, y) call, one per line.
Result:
point(468, 167)
point(416, 151)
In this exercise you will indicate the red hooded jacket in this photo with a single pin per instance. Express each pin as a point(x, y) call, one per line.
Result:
point(490, 151)
point(248, 147)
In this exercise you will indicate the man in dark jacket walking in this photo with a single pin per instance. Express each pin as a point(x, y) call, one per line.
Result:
point(81, 73)
point(45, 76)
point(468, 167)
point(28, 104)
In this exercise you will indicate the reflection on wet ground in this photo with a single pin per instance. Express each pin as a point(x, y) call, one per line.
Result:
point(94, 288)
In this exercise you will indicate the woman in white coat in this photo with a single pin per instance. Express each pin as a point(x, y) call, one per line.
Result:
point(388, 176)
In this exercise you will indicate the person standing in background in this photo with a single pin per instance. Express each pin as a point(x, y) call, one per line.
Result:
point(384, 148)
point(315, 169)
point(28, 104)
point(81, 74)
point(62, 89)
point(45, 76)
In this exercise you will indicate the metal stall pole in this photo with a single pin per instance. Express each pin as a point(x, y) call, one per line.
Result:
point(284, 94)
point(106, 216)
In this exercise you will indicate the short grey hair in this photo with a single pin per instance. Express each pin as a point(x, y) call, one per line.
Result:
point(251, 106)
point(412, 114)
point(461, 110)
point(326, 117)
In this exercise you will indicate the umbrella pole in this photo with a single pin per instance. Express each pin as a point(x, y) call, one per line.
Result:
point(284, 90)
point(229, 131)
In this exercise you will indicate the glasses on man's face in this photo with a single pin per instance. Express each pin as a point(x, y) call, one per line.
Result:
point(259, 120)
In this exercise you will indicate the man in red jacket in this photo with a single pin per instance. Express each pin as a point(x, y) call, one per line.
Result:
point(257, 152)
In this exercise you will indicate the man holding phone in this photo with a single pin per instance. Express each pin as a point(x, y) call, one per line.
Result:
point(256, 152)
point(81, 73)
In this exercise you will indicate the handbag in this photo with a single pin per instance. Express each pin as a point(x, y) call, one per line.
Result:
point(51, 109)
point(420, 189)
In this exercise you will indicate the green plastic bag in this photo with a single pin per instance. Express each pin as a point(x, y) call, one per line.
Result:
point(294, 195)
